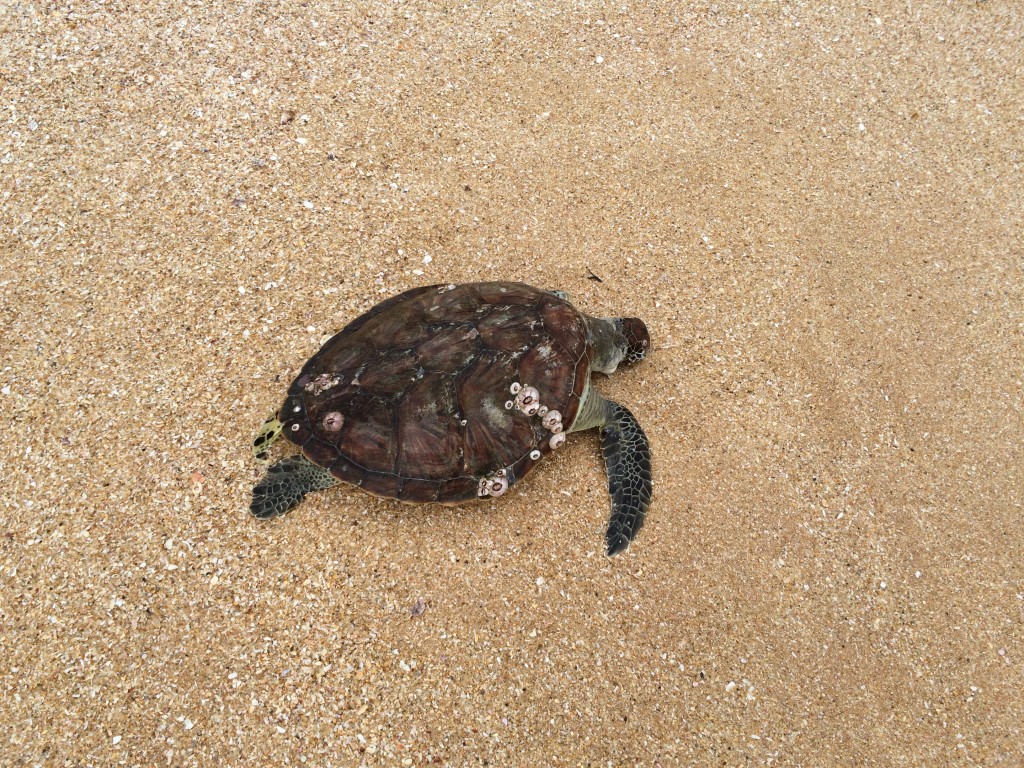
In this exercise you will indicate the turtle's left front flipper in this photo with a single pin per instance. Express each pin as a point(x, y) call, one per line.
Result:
point(627, 456)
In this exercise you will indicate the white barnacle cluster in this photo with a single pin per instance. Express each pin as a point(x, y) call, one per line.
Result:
point(321, 384)
point(494, 484)
point(527, 400)
point(552, 421)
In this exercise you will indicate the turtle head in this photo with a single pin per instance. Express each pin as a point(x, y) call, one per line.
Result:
point(618, 340)
point(638, 340)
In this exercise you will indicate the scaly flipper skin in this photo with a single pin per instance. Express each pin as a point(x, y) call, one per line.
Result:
point(286, 484)
point(269, 432)
point(627, 456)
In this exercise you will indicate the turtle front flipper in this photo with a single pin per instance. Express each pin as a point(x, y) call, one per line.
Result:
point(627, 457)
point(269, 432)
point(286, 484)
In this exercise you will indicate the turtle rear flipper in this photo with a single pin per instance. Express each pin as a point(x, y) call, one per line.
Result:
point(627, 456)
point(286, 484)
point(268, 433)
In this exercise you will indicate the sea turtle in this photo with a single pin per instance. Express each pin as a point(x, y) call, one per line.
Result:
point(447, 393)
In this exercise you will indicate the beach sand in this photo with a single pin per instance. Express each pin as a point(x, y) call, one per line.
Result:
point(816, 211)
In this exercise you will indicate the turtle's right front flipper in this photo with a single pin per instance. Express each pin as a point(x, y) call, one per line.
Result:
point(627, 456)
point(286, 484)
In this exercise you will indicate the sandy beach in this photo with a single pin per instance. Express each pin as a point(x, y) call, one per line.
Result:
point(816, 210)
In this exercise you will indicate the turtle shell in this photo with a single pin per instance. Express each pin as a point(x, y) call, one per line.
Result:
point(409, 400)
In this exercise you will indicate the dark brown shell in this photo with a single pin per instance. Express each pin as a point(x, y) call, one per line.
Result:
point(408, 401)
